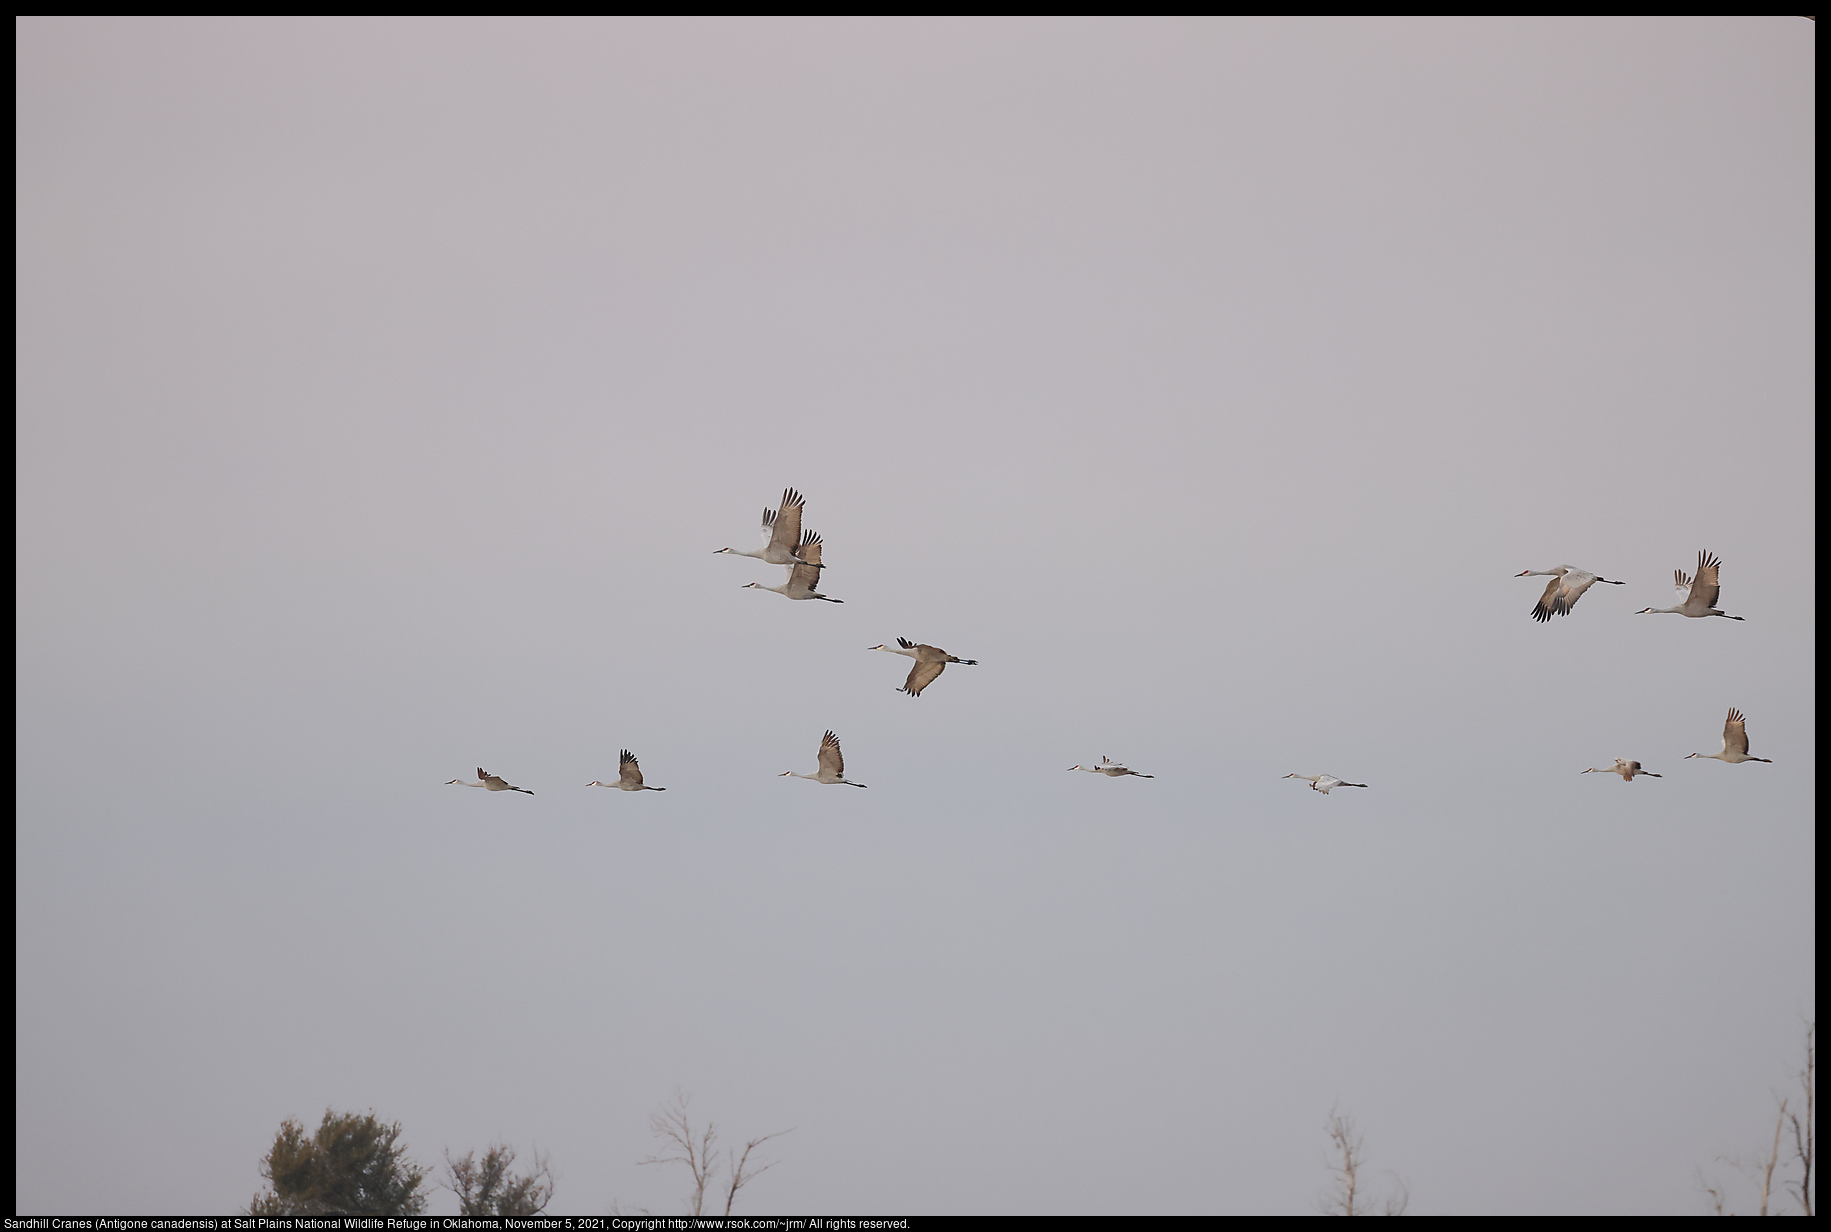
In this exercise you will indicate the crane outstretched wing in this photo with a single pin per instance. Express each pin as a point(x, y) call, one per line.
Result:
point(785, 523)
point(831, 761)
point(1705, 589)
point(1735, 733)
point(922, 675)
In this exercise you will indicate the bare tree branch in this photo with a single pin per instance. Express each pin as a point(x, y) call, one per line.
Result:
point(1396, 1204)
point(1346, 1144)
point(1715, 1192)
point(740, 1177)
point(1773, 1157)
point(1802, 1132)
point(670, 1124)
point(1796, 1176)
point(1347, 1158)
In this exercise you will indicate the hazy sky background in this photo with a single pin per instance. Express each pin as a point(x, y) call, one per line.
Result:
point(387, 385)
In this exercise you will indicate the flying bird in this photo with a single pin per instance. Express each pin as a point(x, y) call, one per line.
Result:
point(629, 775)
point(783, 542)
point(832, 765)
point(490, 782)
point(1562, 592)
point(802, 575)
point(1700, 596)
point(930, 661)
point(1626, 769)
point(1735, 742)
point(1111, 769)
point(1325, 783)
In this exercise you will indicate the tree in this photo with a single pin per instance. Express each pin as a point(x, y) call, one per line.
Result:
point(352, 1165)
point(1795, 1112)
point(697, 1149)
point(487, 1187)
point(1346, 1196)
point(1802, 1133)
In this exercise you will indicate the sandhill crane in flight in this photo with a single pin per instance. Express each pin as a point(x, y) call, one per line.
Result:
point(1111, 769)
point(1735, 742)
point(1562, 592)
point(802, 575)
point(1626, 769)
point(1700, 596)
point(490, 782)
point(783, 542)
point(832, 765)
point(1325, 783)
point(930, 661)
point(629, 775)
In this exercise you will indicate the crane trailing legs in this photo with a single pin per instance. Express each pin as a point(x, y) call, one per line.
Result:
point(1700, 595)
point(490, 783)
point(1562, 592)
point(1325, 783)
point(1111, 769)
point(629, 775)
point(1626, 769)
point(930, 662)
point(832, 765)
point(1735, 742)
point(783, 541)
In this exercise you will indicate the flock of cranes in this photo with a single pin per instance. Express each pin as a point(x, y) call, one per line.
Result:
point(1700, 600)
point(785, 543)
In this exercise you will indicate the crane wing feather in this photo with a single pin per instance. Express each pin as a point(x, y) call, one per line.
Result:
point(806, 576)
point(831, 761)
point(921, 675)
point(1575, 583)
point(787, 531)
point(1735, 734)
point(1704, 591)
point(1548, 601)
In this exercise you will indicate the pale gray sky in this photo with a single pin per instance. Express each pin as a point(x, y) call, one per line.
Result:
point(386, 386)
